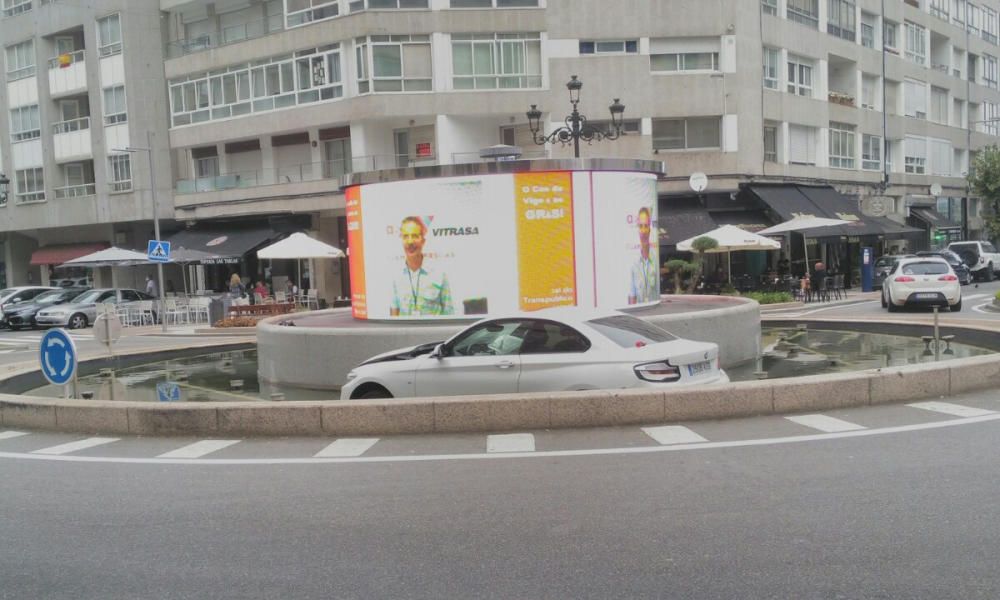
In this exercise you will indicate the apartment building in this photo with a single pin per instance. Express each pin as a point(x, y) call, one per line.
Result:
point(260, 107)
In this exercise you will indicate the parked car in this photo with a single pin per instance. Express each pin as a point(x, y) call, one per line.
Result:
point(82, 310)
point(922, 281)
point(14, 295)
point(551, 350)
point(982, 258)
point(77, 282)
point(23, 314)
point(883, 265)
point(957, 264)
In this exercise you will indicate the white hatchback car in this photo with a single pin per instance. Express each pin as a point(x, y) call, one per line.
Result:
point(922, 281)
point(551, 350)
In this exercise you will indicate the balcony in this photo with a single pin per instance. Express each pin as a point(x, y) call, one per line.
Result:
point(67, 75)
point(71, 139)
point(76, 191)
point(224, 36)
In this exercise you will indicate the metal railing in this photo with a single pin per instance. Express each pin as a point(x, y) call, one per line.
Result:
point(120, 186)
point(74, 57)
point(71, 125)
point(29, 197)
point(300, 173)
point(225, 36)
point(76, 191)
point(473, 157)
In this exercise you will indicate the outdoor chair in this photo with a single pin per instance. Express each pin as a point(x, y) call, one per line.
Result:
point(312, 299)
point(174, 313)
point(280, 297)
point(198, 309)
point(142, 312)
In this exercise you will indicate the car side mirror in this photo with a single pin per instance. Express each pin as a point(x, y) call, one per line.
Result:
point(438, 351)
point(14, 301)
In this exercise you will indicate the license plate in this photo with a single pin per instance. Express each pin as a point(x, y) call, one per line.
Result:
point(927, 295)
point(699, 367)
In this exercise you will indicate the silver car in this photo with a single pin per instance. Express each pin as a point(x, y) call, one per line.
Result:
point(82, 311)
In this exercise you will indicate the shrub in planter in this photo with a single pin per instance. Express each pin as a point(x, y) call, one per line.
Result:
point(769, 297)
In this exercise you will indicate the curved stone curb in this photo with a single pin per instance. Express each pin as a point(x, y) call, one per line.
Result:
point(506, 412)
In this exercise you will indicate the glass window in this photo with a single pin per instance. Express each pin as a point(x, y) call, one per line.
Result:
point(15, 7)
point(772, 58)
point(496, 61)
point(770, 7)
point(492, 3)
point(301, 12)
point(20, 60)
point(686, 134)
point(916, 44)
point(841, 145)
point(399, 63)
point(547, 337)
point(25, 123)
point(629, 332)
point(29, 185)
point(889, 35)
point(867, 35)
point(803, 11)
point(990, 71)
point(687, 61)
point(502, 337)
point(799, 76)
point(842, 19)
point(939, 8)
point(870, 92)
point(771, 143)
point(871, 152)
point(915, 155)
point(120, 171)
point(801, 144)
point(109, 33)
point(115, 110)
point(609, 47)
point(915, 98)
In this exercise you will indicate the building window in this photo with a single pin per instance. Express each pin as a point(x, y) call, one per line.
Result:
point(915, 155)
point(29, 185)
point(25, 124)
point(939, 8)
point(842, 19)
point(120, 172)
point(357, 5)
point(629, 126)
point(975, 18)
point(15, 7)
point(841, 145)
point(772, 60)
point(771, 143)
point(609, 47)
point(109, 33)
point(941, 157)
point(115, 110)
point(990, 71)
point(990, 25)
point(393, 63)
point(867, 34)
point(686, 134)
point(939, 105)
point(21, 60)
point(206, 161)
point(770, 7)
point(799, 76)
point(869, 92)
point(801, 145)
point(310, 76)
point(804, 11)
point(496, 61)
point(916, 44)
point(991, 118)
point(686, 61)
point(493, 3)
point(871, 152)
point(301, 12)
point(889, 37)
point(915, 98)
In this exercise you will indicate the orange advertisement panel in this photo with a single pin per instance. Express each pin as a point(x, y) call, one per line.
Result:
point(545, 244)
point(356, 253)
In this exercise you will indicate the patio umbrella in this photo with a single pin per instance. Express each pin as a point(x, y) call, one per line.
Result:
point(299, 246)
point(109, 257)
point(732, 238)
point(801, 224)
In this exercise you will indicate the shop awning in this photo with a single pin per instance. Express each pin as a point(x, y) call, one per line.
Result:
point(679, 222)
point(57, 255)
point(933, 218)
point(747, 220)
point(220, 247)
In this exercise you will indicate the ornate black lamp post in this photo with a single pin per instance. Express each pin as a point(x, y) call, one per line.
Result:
point(576, 127)
point(4, 182)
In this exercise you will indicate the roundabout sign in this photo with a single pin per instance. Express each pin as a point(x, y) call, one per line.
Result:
point(58, 357)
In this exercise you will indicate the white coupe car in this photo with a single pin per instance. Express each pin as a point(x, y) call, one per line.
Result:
point(551, 350)
point(922, 281)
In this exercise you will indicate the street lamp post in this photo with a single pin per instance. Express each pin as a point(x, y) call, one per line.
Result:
point(156, 217)
point(576, 127)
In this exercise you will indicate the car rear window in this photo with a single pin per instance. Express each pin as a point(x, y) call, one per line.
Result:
point(960, 247)
point(886, 262)
point(629, 332)
point(925, 268)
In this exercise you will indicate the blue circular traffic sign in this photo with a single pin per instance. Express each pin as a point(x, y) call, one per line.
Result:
point(57, 356)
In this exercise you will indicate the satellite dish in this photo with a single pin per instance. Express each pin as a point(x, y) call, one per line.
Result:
point(698, 182)
point(935, 189)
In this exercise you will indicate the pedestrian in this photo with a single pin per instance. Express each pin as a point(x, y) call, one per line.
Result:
point(151, 286)
point(236, 288)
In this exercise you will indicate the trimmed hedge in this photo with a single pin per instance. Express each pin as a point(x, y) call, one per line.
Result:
point(769, 297)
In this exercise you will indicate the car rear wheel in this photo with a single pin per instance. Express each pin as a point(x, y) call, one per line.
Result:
point(77, 321)
point(956, 307)
point(882, 298)
point(888, 302)
point(989, 272)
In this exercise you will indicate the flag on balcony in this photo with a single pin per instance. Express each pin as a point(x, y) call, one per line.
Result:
point(65, 60)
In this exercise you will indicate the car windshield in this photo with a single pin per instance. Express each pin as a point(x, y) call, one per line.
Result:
point(50, 297)
point(925, 268)
point(629, 332)
point(7, 292)
point(88, 297)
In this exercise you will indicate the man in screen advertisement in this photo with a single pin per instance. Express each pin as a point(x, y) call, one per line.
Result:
point(644, 274)
point(418, 288)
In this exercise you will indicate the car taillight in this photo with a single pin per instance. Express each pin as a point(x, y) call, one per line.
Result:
point(658, 371)
point(904, 279)
point(947, 278)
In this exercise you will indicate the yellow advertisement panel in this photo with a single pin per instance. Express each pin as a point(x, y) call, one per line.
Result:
point(546, 264)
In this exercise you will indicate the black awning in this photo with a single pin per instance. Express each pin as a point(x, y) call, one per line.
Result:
point(787, 201)
point(680, 222)
point(221, 246)
point(747, 220)
point(933, 218)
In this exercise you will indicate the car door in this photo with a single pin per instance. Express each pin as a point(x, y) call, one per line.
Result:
point(554, 357)
point(481, 360)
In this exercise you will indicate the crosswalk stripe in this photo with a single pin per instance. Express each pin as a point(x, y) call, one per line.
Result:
point(824, 423)
point(510, 442)
point(347, 447)
point(7, 435)
point(673, 434)
point(956, 410)
point(75, 446)
point(199, 449)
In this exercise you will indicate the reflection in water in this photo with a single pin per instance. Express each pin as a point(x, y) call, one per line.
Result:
point(232, 376)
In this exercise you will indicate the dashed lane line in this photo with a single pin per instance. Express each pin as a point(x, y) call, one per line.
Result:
point(673, 434)
point(347, 447)
point(199, 449)
point(956, 410)
point(75, 446)
point(824, 423)
point(510, 442)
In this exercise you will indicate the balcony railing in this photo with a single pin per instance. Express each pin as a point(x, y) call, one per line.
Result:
point(76, 191)
point(299, 173)
point(224, 36)
point(117, 187)
point(29, 197)
point(841, 98)
point(22, 73)
point(72, 57)
point(71, 125)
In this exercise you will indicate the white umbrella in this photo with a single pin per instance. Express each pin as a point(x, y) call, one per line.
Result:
point(800, 224)
point(109, 257)
point(732, 238)
point(298, 246)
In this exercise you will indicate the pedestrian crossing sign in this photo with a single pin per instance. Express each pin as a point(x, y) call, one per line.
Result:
point(158, 251)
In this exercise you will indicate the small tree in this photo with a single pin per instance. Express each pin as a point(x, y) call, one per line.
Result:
point(700, 246)
point(984, 179)
point(677, 268)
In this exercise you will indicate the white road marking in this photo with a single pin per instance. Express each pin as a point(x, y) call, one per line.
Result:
point(510, 442)
point(673, 434)
point(953, 409)
point(347, 447)
point(75, 446)
point(976, 296)
point(8, 435)
point(824, 423)
point(199, 449)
